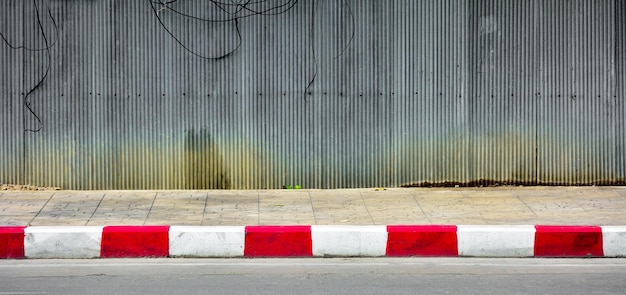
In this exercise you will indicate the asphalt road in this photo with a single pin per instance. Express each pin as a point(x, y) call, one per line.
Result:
point(314, 276)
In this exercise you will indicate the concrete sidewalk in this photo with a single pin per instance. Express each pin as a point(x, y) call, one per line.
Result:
point(476, 206)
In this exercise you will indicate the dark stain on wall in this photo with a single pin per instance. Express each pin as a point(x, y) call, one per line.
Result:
point(205, 167)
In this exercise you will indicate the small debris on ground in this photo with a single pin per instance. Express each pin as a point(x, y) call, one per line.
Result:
point(27, 187)
point(297, 186)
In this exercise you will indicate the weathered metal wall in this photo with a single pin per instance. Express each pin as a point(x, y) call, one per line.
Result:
point(576, 115)
point(11, 102)
point(322, 94)
point(620, 85)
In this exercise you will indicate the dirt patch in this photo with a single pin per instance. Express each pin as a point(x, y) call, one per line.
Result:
point(27, 187)
point(476, 183)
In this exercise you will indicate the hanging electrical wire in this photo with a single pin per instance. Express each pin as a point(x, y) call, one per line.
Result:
point(47, 46)
point(8, 43)
point(312, 40)
point(234, 12)
point(353, 30)
point(312, 44)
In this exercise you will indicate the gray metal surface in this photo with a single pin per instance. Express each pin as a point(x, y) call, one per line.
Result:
point(11, 127)
point(620, 85)
point(322, 94)
point(576, 115)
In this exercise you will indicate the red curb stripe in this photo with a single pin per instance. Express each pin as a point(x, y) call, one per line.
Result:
point(12, 242)
point(134, 241)
point(422, 240)
point(278, 241)
point(568, 241)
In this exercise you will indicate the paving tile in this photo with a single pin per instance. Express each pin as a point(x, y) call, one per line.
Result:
point(395, 210)
point(226, 220)
point(284, 205)
point(492, 216)
point(344, 220)
point(124, 206)
point(287, 221)
point(121, 215)
point(64, 213)
point(450, 213)
point(19, 195)
point(19, 219)
point(386, 194)
point(61, 220)
point(457, 220)
point(116, 221)
point(596, 194)
point(620, 191)
point(173, 221)
point(407, 199)
point(24, 203)
point(442, 200)
point(10, 207)
point(232, 201)
point(495, 201)
point(183, 194)
point(190, 218)
point(338, 202)
point(449, 210)
point(76, 207)
point(434, 193)
point(388, 210)
point(501, 205)
point(399, 220)
point(179, 207)
point(519, 208)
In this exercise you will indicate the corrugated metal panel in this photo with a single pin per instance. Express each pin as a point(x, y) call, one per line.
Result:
point(327, 94)
point(502, 102)
point(11, 139)
point(620, 94)
point(430, 133)
point(577, 103)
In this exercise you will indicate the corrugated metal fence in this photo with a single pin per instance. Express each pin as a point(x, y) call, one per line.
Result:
point(323, 94)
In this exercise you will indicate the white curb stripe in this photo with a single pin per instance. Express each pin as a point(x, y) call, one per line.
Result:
point(614, 241)
point(207, 241)
point(496, 240)
point(62, 242)
point(338, 240)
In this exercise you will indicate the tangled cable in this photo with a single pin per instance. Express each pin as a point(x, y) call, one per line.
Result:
point(233, 12)
point(46, 48)
point(227, 11)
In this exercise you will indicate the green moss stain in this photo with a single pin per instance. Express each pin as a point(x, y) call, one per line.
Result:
point(204, 166)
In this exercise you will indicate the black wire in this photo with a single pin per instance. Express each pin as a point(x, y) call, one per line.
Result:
point(311, 41)
point(265, 12)
point(48, 46)
point(187, 48)
point(239, 7)
point(56, 30)
point(254, 13)
point(353, 30)
point(26, 102)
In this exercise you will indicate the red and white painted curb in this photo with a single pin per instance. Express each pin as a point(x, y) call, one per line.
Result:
point(312, 241)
